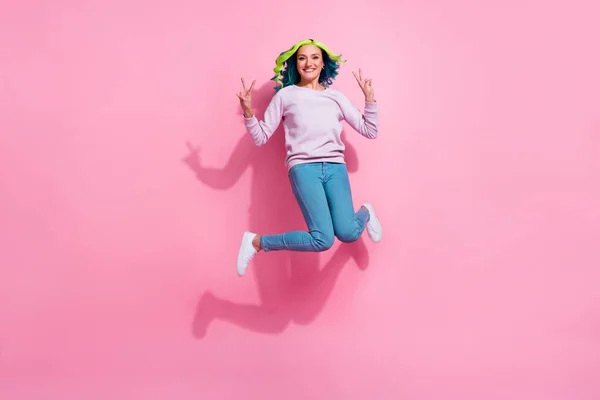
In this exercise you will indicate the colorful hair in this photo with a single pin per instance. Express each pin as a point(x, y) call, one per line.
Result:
point(286, 73)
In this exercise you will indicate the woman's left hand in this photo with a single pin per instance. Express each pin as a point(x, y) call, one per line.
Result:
point(365, 85)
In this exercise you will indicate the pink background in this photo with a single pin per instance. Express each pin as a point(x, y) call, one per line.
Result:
point(118, 246)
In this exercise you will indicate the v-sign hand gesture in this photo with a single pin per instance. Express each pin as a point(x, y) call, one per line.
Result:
point(365, 85)
point(245, 96)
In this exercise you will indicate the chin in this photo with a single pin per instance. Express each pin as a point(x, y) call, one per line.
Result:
point(310, 77)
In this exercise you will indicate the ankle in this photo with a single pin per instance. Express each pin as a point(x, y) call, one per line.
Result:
point(256, 242)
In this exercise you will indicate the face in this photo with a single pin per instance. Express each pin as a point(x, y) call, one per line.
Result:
point(309, 62)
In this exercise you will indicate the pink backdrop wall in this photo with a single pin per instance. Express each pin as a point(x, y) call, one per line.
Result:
point(118, 242)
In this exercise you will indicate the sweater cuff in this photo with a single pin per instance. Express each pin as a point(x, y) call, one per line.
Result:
point(370, 106)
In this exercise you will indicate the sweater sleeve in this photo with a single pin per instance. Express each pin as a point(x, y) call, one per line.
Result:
point(367, 124)
point(261, 131)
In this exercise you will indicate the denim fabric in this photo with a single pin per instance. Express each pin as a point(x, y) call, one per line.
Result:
point(323, 193)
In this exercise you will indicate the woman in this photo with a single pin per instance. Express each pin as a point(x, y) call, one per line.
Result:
point(312, 113)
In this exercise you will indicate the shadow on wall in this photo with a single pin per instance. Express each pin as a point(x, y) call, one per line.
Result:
point(292, 286)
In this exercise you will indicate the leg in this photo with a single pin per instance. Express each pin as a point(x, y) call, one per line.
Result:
point(348, 224)
point(307, 185)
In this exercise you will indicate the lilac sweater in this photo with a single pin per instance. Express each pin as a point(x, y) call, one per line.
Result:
point(312, 123)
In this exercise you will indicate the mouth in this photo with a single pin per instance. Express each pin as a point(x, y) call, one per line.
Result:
point(309, 70)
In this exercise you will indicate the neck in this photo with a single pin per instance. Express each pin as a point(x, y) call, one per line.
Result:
point(315, 85)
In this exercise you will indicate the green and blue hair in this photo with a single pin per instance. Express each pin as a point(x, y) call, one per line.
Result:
point(286, 72)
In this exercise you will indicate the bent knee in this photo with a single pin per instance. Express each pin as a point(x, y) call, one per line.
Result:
point(324, 242)
point(347, 236)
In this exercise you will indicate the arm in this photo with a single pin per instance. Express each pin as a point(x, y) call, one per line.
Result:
point(367, 125)
point(261, 131)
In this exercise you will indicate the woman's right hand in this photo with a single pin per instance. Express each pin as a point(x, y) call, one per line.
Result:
point(245, 97)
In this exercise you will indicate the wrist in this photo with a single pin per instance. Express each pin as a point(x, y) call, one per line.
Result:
point(370, 99)
point(248, 113)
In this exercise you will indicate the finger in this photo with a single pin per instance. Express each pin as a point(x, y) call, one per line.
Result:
point(356, 76)
point(360, 73)
point(244, 84)
point(252, 85)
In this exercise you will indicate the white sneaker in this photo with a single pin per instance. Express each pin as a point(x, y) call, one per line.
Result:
point(246, 254)
point(373, 226)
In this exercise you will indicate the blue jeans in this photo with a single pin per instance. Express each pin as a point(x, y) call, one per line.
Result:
point(323, 193)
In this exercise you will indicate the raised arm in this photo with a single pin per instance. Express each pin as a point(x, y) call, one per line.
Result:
point(260, 131)
point(367, 124)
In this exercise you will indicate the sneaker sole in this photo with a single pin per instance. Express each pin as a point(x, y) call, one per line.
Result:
point(246, 237)
point(373, 218)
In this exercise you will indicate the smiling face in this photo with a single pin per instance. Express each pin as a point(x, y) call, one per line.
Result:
point(309, 61)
